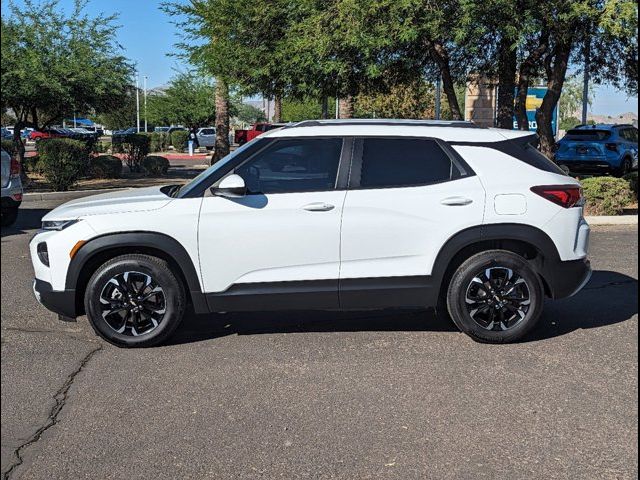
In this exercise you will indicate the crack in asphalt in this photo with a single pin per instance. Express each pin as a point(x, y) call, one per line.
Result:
point(61, 399)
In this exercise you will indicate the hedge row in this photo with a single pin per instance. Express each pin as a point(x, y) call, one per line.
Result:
point(158, 141)
point(63, 162)
point(609, 195)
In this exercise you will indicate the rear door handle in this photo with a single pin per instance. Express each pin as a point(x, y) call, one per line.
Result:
point(456, 201)
point(318, 207)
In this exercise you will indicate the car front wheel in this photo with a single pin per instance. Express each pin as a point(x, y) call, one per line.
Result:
point(135, 301)
point(495, 297)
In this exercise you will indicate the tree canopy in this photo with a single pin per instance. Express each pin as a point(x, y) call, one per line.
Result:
point(187, 100)
point(55, 63)
point(350, 48)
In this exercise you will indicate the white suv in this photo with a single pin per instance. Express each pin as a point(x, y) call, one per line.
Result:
point(330, 215)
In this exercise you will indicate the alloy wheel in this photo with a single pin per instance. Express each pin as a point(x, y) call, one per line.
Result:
point(498, 298)
point(132, 303)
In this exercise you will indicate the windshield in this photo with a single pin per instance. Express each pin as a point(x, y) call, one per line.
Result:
point(202, 177)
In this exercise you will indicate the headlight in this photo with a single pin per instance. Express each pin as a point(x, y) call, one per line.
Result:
point(57, 224)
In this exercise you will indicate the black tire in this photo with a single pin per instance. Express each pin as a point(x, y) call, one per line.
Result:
point(9, 216)
point(494, 303)
point(129, 272)
point(625, 167)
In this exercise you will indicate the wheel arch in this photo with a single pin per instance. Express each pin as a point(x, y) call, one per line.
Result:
point(105, 247)
point(527, 241)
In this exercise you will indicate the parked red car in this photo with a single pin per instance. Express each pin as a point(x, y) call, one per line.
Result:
point(46, 133)
point(244, 136)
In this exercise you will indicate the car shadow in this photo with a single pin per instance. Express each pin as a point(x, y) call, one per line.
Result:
point(28, 219)
point(609, 298)
point(197, 328)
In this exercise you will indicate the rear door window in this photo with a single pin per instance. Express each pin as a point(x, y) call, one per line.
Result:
point(403, 162)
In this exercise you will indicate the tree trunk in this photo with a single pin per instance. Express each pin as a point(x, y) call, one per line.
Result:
point(19, 144)
point(527, 69)
point(221, 149)
point(277, 109)
point(521, 101)
point(556, 74)
point(347, 107)
point(507, 66)
point(325, 107)
point(441, 57)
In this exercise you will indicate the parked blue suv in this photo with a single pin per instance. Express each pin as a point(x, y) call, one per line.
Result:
point(599, 149)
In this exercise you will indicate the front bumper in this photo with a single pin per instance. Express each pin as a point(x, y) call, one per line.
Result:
point(60, 302)
point(566, 279)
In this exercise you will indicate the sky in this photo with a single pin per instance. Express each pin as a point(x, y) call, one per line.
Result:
point(148, 36)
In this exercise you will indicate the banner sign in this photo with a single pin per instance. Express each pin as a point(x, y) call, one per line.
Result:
point(534, 100)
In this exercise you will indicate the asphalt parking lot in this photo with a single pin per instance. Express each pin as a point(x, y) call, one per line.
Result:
point(396, 395)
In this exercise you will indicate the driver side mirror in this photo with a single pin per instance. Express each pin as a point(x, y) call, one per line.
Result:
point(232, 186)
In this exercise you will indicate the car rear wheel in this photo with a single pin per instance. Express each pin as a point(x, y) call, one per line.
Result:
point(9, 216)
point(625, 167)
point(135, 301)
point(495, 297)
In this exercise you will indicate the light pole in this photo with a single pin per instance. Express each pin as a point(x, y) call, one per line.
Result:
point(585, 87)
point(145, 104)
point(137, 105)
point(438, 98)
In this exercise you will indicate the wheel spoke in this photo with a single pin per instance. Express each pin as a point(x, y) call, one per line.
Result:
point(497, 298)
point(132, 303)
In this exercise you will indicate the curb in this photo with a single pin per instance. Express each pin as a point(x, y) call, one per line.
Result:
point(613, 220)
point(53, 196)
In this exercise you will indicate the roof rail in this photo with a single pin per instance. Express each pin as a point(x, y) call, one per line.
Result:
point(379, 122)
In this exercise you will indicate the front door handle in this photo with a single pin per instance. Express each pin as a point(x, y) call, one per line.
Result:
point(456, 201)
point(318, 207)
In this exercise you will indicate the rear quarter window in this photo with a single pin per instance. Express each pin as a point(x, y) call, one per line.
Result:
point(524, 149)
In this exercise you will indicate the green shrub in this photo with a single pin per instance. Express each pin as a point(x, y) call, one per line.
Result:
point(632, 178)
point(105, 166)
point(33, 165)
point(179, 139)
point(155, 165)
point(606, 195)
point(90, 144)
point(116, 146)
point(135, 148)
point(101, 147)
point(63, 161)
point(159, 141)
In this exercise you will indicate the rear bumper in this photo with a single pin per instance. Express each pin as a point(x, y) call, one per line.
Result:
point(60, 302)
point(12, 193)
point(9, 203)
point(587, 166)
point(566, 279)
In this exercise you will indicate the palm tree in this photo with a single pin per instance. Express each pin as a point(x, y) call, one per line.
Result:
point(222, 148)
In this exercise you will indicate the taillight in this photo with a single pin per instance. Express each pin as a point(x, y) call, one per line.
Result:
point(566, 196)
point(15, 168)
point(611, 146)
